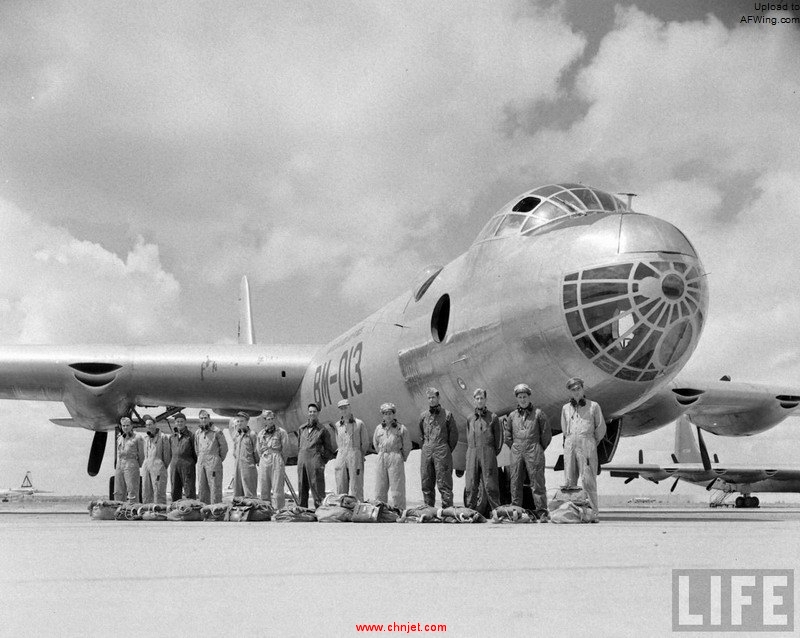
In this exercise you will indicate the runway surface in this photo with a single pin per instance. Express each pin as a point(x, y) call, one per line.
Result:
point(66, 575)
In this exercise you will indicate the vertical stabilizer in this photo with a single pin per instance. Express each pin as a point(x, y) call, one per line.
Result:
point(686, 448)
point(26, 482)
point(247, 334)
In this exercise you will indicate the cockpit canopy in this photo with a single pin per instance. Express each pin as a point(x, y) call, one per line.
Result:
point(546, 204)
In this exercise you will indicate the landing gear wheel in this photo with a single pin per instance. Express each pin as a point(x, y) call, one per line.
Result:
point(739, 502)
point(749, 501)
point(756, 502)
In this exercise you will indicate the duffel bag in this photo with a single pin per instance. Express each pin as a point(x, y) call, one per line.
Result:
point(512, 514)
point(260, 510)
point(153, 512)
point(128, 512)
point(460, 515)
point(386, 513)
point(420, 514)
point(571, 512)
point(104, 510)
point(214, 512)
point(574, 495)
point(185, 509)
point(340, 500)
point(333, 514)
point(295, 514)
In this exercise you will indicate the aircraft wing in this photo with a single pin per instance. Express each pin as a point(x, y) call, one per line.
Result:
point(649, 471)
point(721, 407)
point(98, 384)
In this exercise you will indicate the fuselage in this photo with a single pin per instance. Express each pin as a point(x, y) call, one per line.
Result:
point(548, 291)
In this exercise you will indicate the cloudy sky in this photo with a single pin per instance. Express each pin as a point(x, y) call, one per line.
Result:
point(152, 153)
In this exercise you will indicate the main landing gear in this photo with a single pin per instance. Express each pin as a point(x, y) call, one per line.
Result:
point(746, 501)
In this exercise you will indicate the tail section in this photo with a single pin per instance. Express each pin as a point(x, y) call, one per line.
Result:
point(247, 334)
point(26, 482)
point(686, 448)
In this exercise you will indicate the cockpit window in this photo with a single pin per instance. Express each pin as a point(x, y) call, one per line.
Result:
point(510, 225)
point(526, 204)
point(548, 203)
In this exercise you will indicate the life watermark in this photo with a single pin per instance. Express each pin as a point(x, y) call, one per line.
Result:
point(743, 600)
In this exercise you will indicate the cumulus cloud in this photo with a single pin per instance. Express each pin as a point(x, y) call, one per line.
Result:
point(58, 289)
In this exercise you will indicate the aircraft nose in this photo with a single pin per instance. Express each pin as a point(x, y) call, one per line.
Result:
point(639, 318)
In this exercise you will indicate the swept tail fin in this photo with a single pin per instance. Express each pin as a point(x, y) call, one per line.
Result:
point(247, 334)
point(686, 447)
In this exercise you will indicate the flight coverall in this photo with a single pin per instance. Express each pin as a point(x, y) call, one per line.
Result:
point(583, 427)
point(211, 448)
point(272, 447)
point(439, 439)
point(484, 442)
point(316, 449)
point(130, 456)
point(527, 433)
point(353, 443)
point(184, 458)
point(393, 445)
point(157, 456)
point(245, 452)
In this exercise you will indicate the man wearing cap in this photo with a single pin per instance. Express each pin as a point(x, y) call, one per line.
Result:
point(527, 433)
point(157, 456)
point(245, 454)
point(211, 448)
point(393, 445)
point(584, 427)
point(484, 442)
point(439, 439)
point(184, 458)
point(353, 443)
point(316, 449)
point(130, 456)
point(273, 445)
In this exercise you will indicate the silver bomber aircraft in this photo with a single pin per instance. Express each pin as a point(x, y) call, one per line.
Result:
point(691, 463)
point(565, 280)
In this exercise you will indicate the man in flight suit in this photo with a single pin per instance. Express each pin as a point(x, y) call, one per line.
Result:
point(353, 443)
point(316, 449)
point(527, 433)
point(211, 448)
point(484, 442)
point(184, 457)
point(272, 446)
point(584, 427)
point(157, 456)
point(393, 445)
point(130, 456)
point(439, 439)
point(245, 453)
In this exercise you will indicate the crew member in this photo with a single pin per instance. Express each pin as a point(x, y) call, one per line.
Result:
point(273, 447)
point(439, 439)
point(393, 445)
point(484, 442)
point(527, 433)
point(211, 448)
point(316, 449)
point(584, 427)
point(157, 456)
point(245, 453)
point(353, 443)
point(130, 456)
point(184, 458)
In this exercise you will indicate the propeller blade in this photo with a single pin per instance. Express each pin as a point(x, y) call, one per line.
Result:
point(629, 479)
point(674, 485)
point(641, 457)
point(96, 453)
point(703, 450)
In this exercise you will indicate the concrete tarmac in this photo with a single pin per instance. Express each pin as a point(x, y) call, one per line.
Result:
point(67, 575)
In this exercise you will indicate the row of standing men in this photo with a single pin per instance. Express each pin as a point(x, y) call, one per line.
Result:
point(261, 458)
